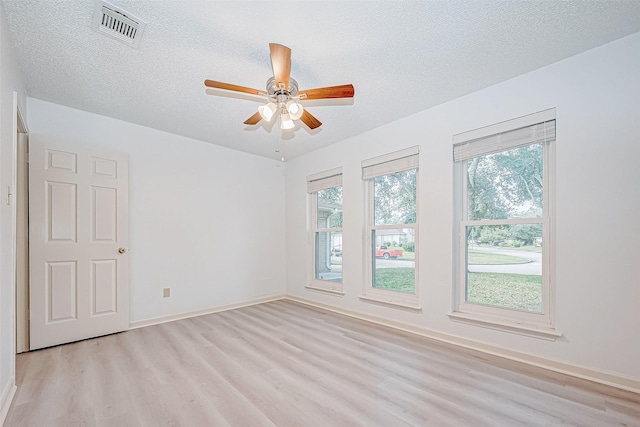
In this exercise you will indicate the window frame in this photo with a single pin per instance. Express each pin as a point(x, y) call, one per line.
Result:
point(541, 325)
point(331, 178)
point(407, 159)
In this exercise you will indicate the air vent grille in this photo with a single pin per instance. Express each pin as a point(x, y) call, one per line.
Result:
point(114, 22)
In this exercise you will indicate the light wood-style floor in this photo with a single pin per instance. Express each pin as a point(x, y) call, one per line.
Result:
point(287, 364)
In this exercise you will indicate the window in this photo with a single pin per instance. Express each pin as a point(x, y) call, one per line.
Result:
point(504, 180)
point(325, 190)
point(391, 187)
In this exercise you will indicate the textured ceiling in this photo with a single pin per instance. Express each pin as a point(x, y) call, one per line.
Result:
point(401, 56)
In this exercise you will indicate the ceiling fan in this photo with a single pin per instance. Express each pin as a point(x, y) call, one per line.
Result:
point(283, 94)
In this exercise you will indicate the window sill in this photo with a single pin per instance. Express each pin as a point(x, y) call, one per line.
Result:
point(335, 292)
point(545, 333)
point(391, 303)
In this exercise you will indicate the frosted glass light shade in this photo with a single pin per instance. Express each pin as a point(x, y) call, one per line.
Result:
point(267, 111)
point(286, 122)
point(295, 110)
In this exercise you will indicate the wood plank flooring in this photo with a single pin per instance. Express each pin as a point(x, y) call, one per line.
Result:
point(287, 364)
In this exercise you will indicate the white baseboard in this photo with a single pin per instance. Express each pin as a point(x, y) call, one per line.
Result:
point(6, 399)
point(172, 317)
point(606, 378)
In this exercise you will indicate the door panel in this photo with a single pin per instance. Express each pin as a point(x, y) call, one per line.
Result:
point(78, 211)
point(104, 284)
point(61, 206)
point(62, 291)
point(104, 167)
point(104, 214)
point(61, 161)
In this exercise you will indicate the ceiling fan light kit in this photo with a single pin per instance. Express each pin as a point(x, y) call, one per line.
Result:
point(283, 95)
point(267, 111)
point(295, 110)
point(285, 121)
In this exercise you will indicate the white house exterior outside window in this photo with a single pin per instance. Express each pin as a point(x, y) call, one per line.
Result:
point(504, 242)
point(325, 190)
point(391, 238)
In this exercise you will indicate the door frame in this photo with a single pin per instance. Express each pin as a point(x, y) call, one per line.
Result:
point(20, 228)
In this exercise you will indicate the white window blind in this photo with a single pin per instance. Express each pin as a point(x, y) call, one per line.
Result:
point(534, 134)
point(390, 163)
point(324, 180)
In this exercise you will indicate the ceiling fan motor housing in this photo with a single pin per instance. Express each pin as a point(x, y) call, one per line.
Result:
point(274, 90)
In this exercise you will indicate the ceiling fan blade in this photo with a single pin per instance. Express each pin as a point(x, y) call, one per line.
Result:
point(227, 86)
point(344, 91)
point(253, 119)
point(309, 120)
point(281, 63)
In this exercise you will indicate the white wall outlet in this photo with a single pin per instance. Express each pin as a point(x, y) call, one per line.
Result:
point(166, 292)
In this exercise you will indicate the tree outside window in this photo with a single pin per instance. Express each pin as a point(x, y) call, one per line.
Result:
point(393, 232)
point(504, 261)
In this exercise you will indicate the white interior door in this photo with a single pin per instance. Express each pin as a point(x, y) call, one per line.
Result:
point(78, 225)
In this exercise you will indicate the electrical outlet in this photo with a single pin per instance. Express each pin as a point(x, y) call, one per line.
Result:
point(166, 292)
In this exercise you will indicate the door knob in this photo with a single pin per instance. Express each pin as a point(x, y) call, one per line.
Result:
point(122, 250)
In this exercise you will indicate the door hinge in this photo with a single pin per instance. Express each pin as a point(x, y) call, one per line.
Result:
point(9, 194)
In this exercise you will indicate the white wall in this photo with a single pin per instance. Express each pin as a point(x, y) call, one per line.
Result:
point(10, 81)
point(206, 221)
point(597, 97)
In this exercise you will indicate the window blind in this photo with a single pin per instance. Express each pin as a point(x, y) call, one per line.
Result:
point(324, 180)
point(391, 163)
point(534, 134)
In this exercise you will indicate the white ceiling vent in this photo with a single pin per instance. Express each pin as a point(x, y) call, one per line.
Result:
point(115, 22)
